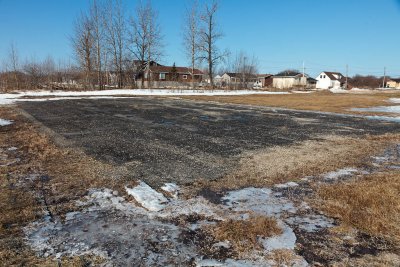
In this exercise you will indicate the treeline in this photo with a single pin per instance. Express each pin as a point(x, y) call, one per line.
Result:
point(115, 48)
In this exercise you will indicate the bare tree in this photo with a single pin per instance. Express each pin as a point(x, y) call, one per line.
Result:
point(246, 68)
point(96, 17)
point(115, 36)
point(14, 63)
point(209, 35)
point(83, 44)
point(34, 72)
point(191, 36)
point(146, 38)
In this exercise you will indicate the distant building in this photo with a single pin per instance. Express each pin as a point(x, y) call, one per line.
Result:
point(175, 74)
point(330, 80)
point(265, 79)
point(393, 83)
point(289, 80)
point(238, 80)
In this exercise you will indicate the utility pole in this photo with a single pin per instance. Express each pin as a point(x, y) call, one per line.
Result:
point(347, 75)
point(384, 77)
point(304, 80)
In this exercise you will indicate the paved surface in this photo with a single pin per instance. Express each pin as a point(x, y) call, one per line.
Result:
point(178, 140)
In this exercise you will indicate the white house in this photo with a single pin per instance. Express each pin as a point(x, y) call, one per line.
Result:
point(330, 80)
point(289, 80)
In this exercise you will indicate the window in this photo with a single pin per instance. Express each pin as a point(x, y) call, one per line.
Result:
point(184, 77)
point(324, 76)
point(320, 76)
point(162, 76)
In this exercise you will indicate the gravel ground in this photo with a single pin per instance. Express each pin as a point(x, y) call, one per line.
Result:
point(173, 140)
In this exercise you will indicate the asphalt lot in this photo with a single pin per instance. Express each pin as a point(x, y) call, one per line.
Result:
point(172, 140)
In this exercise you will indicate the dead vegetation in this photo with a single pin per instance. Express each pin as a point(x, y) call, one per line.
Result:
point(314, 157)
point(244, 235)
point(370, 204)
point(45, 180)
point(320, 101)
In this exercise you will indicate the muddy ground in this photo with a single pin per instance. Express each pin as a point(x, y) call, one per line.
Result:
point(174, 140)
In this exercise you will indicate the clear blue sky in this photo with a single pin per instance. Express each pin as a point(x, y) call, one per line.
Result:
point(325, 34)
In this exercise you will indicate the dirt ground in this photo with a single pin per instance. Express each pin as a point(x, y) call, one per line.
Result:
point(178, 141)
point(258, 186)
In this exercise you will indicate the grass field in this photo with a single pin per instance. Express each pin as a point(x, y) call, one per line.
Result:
point(320, 101)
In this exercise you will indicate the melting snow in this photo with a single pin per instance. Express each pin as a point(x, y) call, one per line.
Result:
point(259, 200)
point(384, 109)
point(171, 188)
point(4, 122)
point(139, 228)
point(384, 118)
point(6, 99)
point(287, 240)
point(287, 185)
point(395, 100)
point(340, 173)
point(147, 197)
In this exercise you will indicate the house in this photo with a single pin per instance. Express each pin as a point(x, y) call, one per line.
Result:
point(232, 79)
point(330, 80)
point(265, 79)
point(393, 83)
point(289, 79)
point(160, 73)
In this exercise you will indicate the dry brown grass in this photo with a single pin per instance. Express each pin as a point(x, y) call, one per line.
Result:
point(244, 234)
point(381, 260)
point(371, 204)
point(71, 173)
point(321, 101)
point(313, 157)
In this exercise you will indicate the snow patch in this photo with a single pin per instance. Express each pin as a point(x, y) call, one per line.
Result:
point(258, 200)
point(287, 185)
point(287, 240)
point(4, 122)
point(394, 100)
point(383, 109)
point(147, 197)
point(7, 99)
point(171, 188)
point(384, 118)
point(340, 173)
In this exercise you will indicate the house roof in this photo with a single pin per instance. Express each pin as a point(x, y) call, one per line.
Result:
point(180, 70)
point(331, 75)
point(264, 75)
point(287, 74)
point(395, 80)
point(237, 75)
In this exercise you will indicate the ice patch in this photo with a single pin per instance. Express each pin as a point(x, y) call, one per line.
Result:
point(340, 173)
point(383, 109)
point(4, 122)
point(258, 200)
point(147, 197)
point(287, 240)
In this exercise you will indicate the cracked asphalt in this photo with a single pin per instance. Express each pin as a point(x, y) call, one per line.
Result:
point(174, 140)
